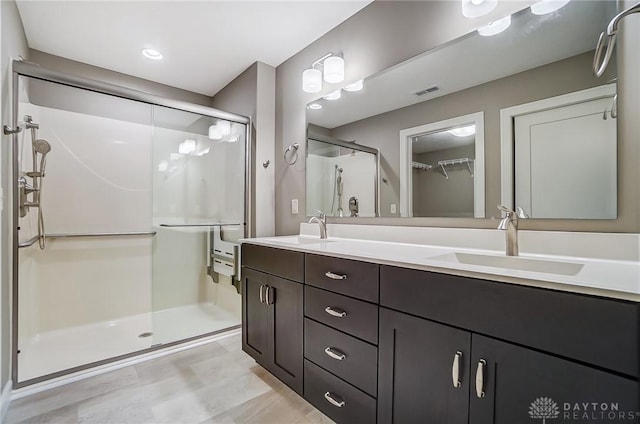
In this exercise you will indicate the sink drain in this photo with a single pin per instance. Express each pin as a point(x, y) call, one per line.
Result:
point(147, 334)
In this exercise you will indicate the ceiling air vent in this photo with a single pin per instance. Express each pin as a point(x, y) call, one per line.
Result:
point(427, 90)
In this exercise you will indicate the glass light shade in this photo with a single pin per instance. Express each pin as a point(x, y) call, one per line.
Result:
point(477, 8)
point(312, 80)
point(463, 131)
point(315, 106)
point(356, 86)
point(334, 69)
point(187, 147)
point(495, 27)
point(547, 6)
point(333, 96)
point(224, 126)
point(215, 133)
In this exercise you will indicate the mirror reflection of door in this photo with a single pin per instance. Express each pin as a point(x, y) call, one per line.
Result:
point(442, 168)
point(565, 157)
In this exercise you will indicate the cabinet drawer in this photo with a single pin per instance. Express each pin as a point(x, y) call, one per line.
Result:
point(353, 278)
point(352, 316)
point(356, 406)
point(598, 331)
point(283, 263)
point(325, 346)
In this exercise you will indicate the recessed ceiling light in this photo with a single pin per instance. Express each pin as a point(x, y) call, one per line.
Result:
point(333, 96)
point(547, 6)
point(152, 54)
point(315, 106)
point(463, 131)
point(356, 86)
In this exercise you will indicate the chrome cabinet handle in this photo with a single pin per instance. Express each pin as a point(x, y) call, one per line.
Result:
point(261, 295)
point(335, 354)
point(335, 276)
point(329, 397)
point(267, 297)
point(480, 378)
point(335, 312)
point(455, 369)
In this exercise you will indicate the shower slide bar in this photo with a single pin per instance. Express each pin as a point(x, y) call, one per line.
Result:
point(34, 239)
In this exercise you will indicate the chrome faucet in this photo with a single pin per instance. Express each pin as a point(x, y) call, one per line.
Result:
point(510, 224)
point(321, 220)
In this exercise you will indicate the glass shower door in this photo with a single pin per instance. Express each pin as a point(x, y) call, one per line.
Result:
point(198, 172)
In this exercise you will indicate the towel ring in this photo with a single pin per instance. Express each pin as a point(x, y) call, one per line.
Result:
point(293, 157)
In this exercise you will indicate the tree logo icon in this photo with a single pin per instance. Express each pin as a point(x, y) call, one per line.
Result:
point(544, 408)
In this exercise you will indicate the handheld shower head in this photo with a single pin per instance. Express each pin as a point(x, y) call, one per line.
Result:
point(43, 147)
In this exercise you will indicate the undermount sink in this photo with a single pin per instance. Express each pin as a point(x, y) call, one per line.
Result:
point(299, 241)
point(513, 262)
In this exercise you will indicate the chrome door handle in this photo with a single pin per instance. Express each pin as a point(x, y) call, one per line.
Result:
point(335, 276)
point(335, 354)
point(267, 297)
point(480, 378)
point(335, 312)
point(337, 403)
point(261, 295)
point(455, 369)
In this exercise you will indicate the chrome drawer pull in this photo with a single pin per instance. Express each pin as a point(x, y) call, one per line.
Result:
point(334, 276)
point(455, 369)
point(335, 312)
point(480, 378)
point(335, 354)
point(261, 295)
point(267, 296)
point(332, 401)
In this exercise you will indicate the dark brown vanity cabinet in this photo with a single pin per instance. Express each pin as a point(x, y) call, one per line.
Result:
point(441, 366)
point(272, 317)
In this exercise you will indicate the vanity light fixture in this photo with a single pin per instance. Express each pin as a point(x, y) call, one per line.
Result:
point(477, 8)
point(224, 126)
point(333, 73)
point(333, 96)
point(463, 131)
point(215, 133)
point(548, 6)
point(495, 27)
point(315, 106)
point(356, 86)
point(152, 54)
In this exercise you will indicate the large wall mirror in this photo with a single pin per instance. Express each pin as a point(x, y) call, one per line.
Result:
point(515, 118)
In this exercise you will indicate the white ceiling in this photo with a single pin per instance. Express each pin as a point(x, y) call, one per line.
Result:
point(205, 44)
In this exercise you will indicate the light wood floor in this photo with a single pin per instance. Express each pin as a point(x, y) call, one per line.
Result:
point(214, 383)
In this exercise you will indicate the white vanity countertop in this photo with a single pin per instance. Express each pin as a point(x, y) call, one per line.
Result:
point(618, 279)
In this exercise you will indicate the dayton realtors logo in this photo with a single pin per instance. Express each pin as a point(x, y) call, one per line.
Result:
point(544, 408)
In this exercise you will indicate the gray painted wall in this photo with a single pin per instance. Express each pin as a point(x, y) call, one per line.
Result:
point(386, 33)
point(14, 44)
point(252, 94)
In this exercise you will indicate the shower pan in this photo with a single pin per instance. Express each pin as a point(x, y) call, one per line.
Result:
point(132, 246)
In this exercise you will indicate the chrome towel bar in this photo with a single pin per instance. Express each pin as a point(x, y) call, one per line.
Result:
point(34, 239)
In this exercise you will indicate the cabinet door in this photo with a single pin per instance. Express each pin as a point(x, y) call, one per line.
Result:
point(255, 316)
point(285, 306)
point(521, 385)
point(416, 367)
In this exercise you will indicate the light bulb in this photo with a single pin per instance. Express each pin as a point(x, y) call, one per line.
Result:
point(477, 8)
point(224, 126)
point(547, 6)
point(334, 69)
point(312, 80)
point(495, 27)
point(463, 131)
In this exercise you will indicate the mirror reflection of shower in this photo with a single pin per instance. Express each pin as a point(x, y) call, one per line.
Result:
point(39, 150)
point(338, 188)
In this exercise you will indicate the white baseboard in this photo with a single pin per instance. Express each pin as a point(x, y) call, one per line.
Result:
point(5, 398)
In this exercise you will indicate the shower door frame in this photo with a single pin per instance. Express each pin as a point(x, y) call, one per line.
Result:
point(20, 68)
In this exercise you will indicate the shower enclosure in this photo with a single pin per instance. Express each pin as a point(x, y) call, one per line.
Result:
point(127, 210)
